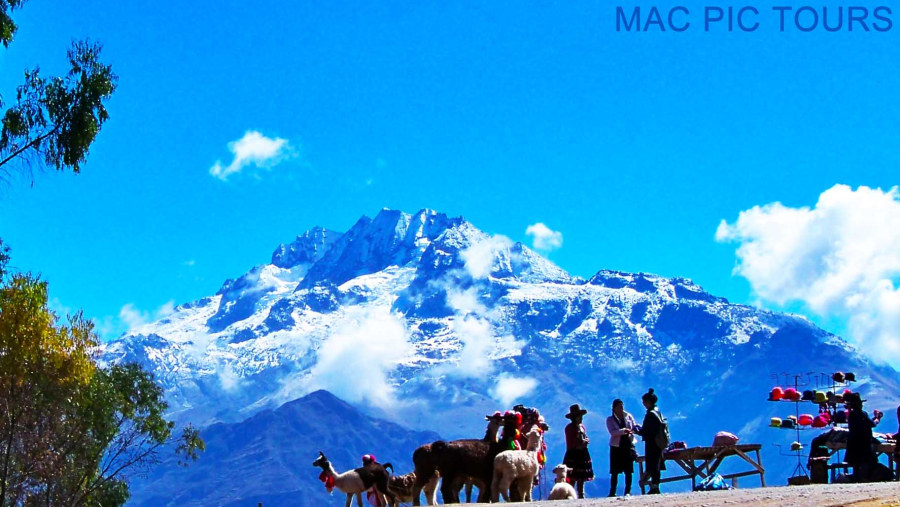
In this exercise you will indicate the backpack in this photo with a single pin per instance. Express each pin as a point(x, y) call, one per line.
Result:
point(714, 482)
point(662, 438)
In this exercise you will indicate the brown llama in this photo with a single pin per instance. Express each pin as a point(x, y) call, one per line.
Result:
point(458, 462)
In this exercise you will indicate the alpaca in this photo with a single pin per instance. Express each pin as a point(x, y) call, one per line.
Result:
point(520, 465)
point(457, 463)
point(562, 490)
point(401, 486)
point(354, 482)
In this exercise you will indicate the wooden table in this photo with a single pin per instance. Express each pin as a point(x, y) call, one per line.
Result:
point(888, 449)
point(704, 461)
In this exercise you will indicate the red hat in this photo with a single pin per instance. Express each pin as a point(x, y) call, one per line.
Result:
point(805, 420)
point(368, 458)
point(791, 394)
point(496, 415)
point(776, 394)
point(510, 416)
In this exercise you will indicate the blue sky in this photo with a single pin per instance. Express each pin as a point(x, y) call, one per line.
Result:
point(633, 146)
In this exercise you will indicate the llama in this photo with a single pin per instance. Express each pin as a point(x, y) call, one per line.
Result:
point(458, 462)
point(401, 486)
point(354, 482)
point(562, 490)
point(517, 465)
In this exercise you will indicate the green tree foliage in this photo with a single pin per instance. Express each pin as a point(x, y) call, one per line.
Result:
point(55, 120)
point(72, 432)
point(7, 26)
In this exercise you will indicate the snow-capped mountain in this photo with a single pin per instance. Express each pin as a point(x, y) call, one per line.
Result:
point(427, 320)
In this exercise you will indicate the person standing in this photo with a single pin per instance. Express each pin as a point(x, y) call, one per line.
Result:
point(621, 428)
point(859, 438)
point(653, 453)
point(577, 456)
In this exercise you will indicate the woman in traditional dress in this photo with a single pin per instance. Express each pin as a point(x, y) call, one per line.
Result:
point(577, 456)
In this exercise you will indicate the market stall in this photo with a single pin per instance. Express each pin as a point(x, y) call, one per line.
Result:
point(701, 462)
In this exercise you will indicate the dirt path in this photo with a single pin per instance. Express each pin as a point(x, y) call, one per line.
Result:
point(857, 495)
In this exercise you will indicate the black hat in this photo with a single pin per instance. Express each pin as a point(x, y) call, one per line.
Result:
point(575, 411)
point(850, 376)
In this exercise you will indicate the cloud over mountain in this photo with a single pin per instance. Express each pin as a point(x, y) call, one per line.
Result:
point(840, 258)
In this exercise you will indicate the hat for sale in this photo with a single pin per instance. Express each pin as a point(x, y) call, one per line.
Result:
point(850, 376)
point(821, 397)
point(796, 446)
point(776, 394)
point(805, 420)
point(788, 423)
point(791, 394)
point(808, 395)
point(838, 377)
point(775, 422)
point(819, 422)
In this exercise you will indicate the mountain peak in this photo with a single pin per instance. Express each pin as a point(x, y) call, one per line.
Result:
point(392, 238)
point(307, 248)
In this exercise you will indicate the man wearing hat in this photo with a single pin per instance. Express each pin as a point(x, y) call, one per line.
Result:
point(577, 456)
point(859, 439)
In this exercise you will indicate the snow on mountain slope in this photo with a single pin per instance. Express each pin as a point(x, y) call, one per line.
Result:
point(424, 318)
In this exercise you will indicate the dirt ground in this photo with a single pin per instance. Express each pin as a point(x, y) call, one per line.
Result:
point(857, 495)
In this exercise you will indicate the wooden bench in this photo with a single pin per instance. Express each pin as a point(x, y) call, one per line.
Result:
point(704, 461)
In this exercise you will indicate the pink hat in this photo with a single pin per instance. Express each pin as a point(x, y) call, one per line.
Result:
point(776, 394)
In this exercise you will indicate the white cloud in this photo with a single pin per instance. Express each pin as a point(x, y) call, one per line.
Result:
point(228, 378)
point(465, 302)
point(130, 319)
point(479, 257)
point(840, 258)
point(254, 148)
point(134, 318)
point(543, 238)
point(472, 326)
point(510, 389)
point(354, 362)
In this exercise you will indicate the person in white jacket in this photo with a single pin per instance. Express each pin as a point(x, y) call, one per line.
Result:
point(622, 453)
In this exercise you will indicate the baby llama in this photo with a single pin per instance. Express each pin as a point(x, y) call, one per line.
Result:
point(562, 490)
point(521, 465)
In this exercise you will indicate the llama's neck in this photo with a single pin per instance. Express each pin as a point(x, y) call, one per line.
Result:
point(560, 478)
point(493, 429)
point(534, 443)
point(329, 469)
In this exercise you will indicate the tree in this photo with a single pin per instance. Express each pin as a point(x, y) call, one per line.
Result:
point(72, 432)
point(55, 120)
